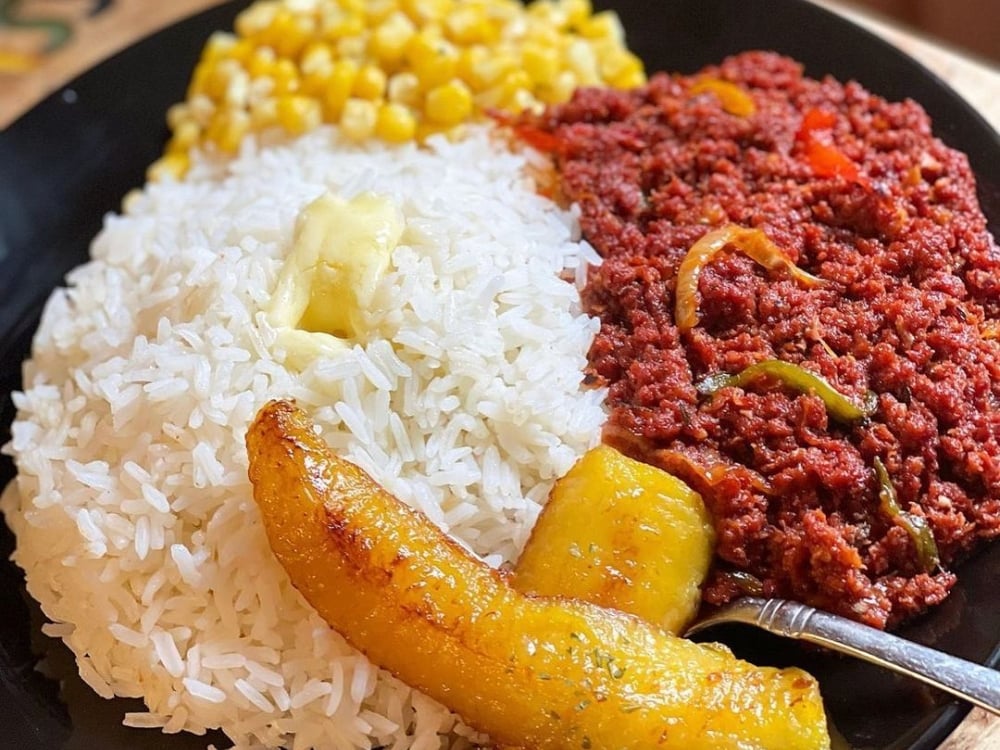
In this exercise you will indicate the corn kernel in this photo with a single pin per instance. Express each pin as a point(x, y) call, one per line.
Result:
point(185, 136)
point(199, 78)
point(404, 88)
point(261, 62)
point(219, 45)
point(547, 13)
point(621, 65)
point(298, 114)
point(217, 79)
point(449, 103)
point(426, 129)
point(352, 48)
point(256, 18)
point(491, 69)
point(314, 84)
point(178, 114)
point(285, 76)
point(395, 123)
point(328, 14)
point(421, 11)
point(434, 60)
point(469, 25)
point(389, 40)
point(577, 12)
point(343, 27)
point(547, 36)
point(201, 108)
point(287, 33)
point(338, 88)
point(171, 166)
point(514, 81)
point(226, 129)
point(504, 12)
point(468, 59)
point(563, 87)
point(131, 201)
point(260, 88)
point(264, 114)
point(237, 125)
point(316, 56)
point(378, 11)
point(507, 92)
point(583, 62)
point(369, 83)
point(238, 90)
point(604, 25)
point(629, 80)
point(241, 51)
point(522, 100)
point(540, 63)
point(358, 119)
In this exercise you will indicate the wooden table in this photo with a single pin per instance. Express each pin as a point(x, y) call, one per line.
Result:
point(99, 28)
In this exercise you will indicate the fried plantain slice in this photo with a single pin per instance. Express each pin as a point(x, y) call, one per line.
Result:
point(621, 534)
point(530, 671)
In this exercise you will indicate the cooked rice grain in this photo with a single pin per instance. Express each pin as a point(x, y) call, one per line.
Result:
point(134, 516)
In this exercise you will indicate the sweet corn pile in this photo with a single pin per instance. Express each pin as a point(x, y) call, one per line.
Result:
point(391, 69)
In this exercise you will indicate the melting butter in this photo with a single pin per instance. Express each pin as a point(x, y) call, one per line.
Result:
point(340, 251)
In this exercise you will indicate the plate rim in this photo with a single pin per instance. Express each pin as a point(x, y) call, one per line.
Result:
point(951, 714)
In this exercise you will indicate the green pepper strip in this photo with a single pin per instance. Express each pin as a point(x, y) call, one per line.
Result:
point(751, 242)
point(837, 404)
point(914, 525)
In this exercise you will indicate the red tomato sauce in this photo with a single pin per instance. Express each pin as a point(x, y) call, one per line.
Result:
point(855, 190)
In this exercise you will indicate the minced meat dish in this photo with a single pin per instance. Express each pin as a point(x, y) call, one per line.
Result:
point(873, 269)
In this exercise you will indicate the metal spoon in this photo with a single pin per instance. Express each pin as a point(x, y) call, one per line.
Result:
point(971, 682)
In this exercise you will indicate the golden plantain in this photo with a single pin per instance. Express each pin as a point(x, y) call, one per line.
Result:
point(530, 671)
point(621, 534)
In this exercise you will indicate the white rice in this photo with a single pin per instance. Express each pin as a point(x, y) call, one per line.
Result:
point(134, 517)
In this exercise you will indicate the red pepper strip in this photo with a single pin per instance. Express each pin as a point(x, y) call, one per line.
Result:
point(914, 525)
point(824, 159)
point(704, 472)
point(708, 475)
point(733, 99)
point(828, 161)
point(531, 134)
point(675, 462)
point(538, 139)
point(813, 120)
point(751, 242)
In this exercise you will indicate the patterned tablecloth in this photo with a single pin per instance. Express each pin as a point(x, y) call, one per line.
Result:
point(44, 43)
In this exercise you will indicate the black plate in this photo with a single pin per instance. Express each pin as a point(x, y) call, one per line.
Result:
point(72, 158)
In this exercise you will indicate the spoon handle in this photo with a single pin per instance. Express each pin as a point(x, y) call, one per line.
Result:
point(972, 682)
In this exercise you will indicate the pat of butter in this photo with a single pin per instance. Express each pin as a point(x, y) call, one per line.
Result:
point(340, 251)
